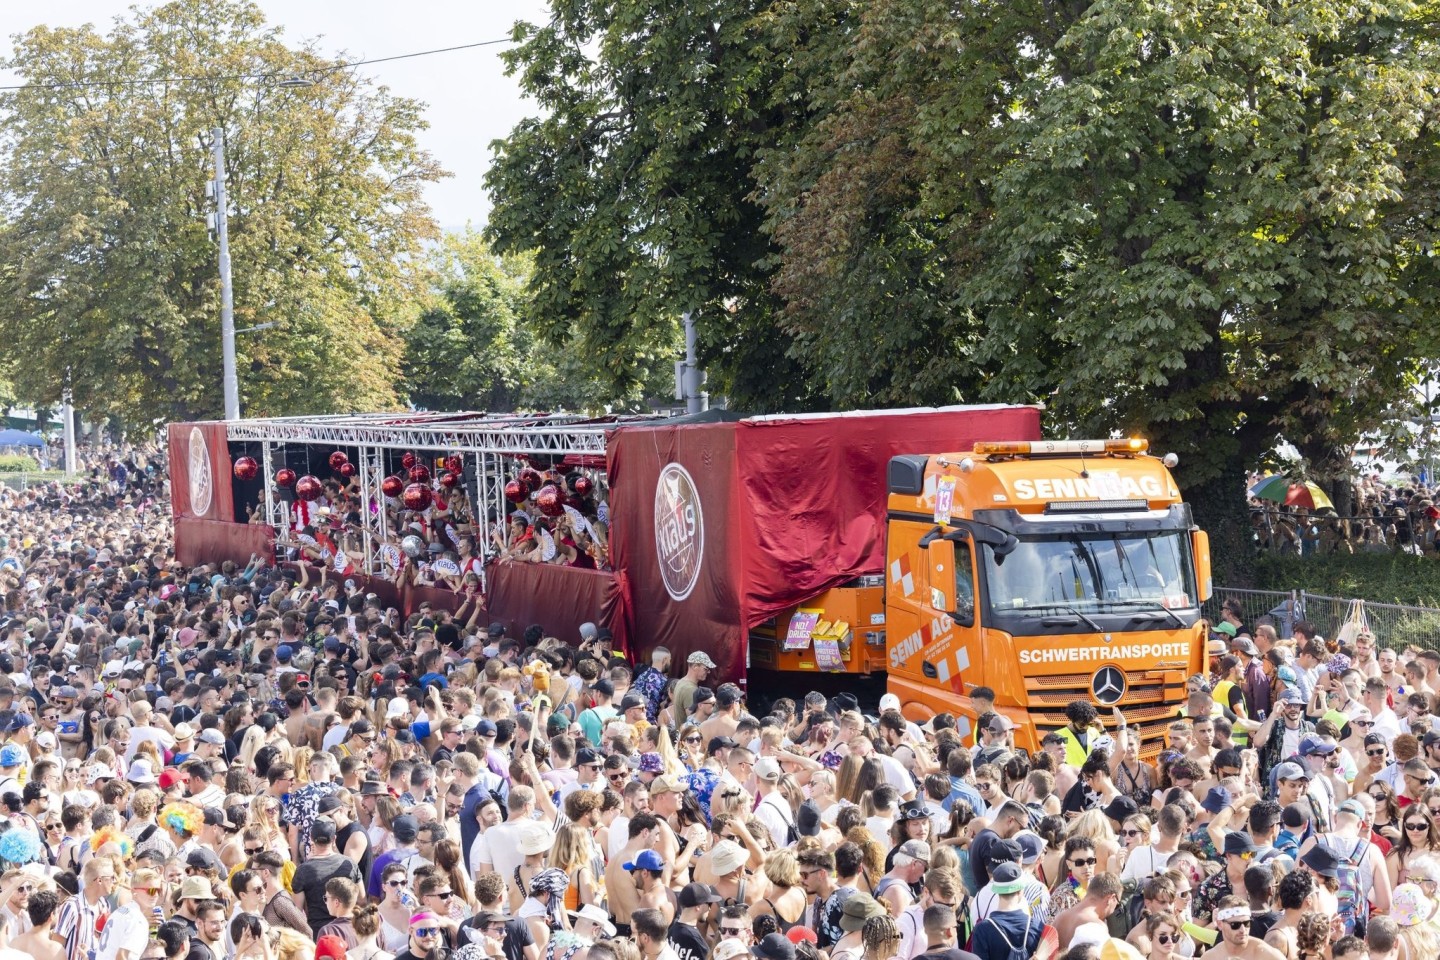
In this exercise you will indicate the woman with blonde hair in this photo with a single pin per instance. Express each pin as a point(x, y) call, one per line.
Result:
point(302, 768)
point(250, 743)
point(785, 899)
point(264, 817)
point(382, 754)
point(1093, 825)
point(573, 853)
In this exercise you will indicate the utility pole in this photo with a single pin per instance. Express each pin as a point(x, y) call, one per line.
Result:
point(67, 410)
point(689, 378)
point(227, 298)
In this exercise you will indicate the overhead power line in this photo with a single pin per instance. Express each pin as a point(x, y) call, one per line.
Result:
point(332, 68)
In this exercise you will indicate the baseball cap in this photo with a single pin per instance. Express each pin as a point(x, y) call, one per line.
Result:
point(405, 828)
point(646, 860)
point(767, 769)
point(1032, 845)
point(915, 850)
point(700, 658)
point(668, 784)
point(775, 946)
point(211, 735)
point(323, 831)
point(889, 702)
point(1245, 645)
point(1006, 878)
point(329, 804)
point(695, 894)
point(1120, 808)
point(1290, 770)
point(1005, 851)
point(720, 743)
point(603, 687)
point(630, 701)
point(1291, 695)
point(1312, 746)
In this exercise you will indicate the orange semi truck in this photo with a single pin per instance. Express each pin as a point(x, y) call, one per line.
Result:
point(1048, 571)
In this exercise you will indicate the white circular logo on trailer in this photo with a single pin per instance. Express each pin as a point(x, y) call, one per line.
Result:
point(202, 481)
point(679, 530)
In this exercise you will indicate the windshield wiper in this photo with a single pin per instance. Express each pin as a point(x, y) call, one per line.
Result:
point(1070, 610)
point(1150, 605)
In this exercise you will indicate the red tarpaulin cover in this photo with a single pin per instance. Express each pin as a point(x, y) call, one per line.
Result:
point(758, 515)
point(200, 490)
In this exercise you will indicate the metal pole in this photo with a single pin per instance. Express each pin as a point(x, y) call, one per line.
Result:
point(696, 400)
point(67, 410)
point(227, 300)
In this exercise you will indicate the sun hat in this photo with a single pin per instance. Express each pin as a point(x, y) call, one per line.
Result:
point(727, 857)
point(1409, 906)
point(858, 908)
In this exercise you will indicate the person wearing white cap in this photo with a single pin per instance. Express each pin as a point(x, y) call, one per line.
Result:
point(774, 809)
point(912, 729)
point(697, 667)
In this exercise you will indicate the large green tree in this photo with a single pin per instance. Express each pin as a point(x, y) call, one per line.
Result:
point(473, 344)
point(1211, 222)
point(109, 273)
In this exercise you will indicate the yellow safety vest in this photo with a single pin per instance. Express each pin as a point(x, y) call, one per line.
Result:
point(1221, 696)
point(1075, 753)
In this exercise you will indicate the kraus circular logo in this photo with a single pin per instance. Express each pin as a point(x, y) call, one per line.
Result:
point(202, 482)
point(679, 530)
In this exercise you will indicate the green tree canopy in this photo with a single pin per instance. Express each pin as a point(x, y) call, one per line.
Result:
point(109, 272)
point(473, 345)
point(1210, 222)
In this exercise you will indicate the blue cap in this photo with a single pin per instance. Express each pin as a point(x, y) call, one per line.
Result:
point(332, 643)
point(486, 728)
point(12, 755)
point(19, 722)
point(284, 652)
point(647, 860)
point(1313, 745)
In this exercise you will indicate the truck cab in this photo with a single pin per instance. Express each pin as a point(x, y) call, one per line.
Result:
point(1048, 571)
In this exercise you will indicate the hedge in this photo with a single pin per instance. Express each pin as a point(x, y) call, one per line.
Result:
point(1377, 577)
point(17, 463)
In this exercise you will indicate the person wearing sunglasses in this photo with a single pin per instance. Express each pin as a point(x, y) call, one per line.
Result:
point(1419, 836)
point(1078, 864)
point(1163, 932)
point(127, 931)
point(1239, 852)
point(1232, 919)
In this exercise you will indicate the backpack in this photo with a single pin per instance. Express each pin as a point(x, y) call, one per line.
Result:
point(1013, 951)
point(1354, 902)
point(1128, 914)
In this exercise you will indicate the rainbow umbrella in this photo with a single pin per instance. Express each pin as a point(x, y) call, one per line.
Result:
point(1283, 490)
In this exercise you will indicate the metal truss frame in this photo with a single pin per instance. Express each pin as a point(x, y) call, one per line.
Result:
point(493, 441)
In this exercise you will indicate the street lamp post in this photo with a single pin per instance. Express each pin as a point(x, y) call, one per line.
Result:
point(227, 297)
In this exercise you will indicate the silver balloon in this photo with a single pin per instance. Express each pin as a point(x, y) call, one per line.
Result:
point(413, 546)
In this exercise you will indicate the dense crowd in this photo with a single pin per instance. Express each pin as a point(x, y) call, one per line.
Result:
point(251, 762)
point(1391, 516)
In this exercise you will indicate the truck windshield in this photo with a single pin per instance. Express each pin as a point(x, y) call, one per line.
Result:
point(1093, 572)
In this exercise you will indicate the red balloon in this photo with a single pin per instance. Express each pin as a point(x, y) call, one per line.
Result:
point(419, 473)
point(246, 468)
point(408, 460)
point(584, 486)
point(285, 477)
point(515, 492)
point(550, 502)
point(308, 488)
point(449, 480)
point(532, 479)
point(391, 486)
point(417, 496)
point(346, 469)
point(337, 458)
point(454, 464)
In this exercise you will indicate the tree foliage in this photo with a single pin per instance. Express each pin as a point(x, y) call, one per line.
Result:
point(472, 345)
point(1209, 221)
point(109, 273)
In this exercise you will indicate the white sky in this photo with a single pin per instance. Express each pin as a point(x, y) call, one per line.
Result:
point(471, 101)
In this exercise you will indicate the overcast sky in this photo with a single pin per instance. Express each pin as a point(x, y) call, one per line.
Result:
point(471, 101)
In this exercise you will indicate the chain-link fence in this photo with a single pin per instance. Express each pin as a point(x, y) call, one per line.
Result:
point(1394, 625)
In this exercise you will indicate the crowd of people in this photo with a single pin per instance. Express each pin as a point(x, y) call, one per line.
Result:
point(443, 544)
point(1387, 517)
point(250, 762)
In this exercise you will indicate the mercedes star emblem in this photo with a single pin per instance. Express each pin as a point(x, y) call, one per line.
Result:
point(1108, 685)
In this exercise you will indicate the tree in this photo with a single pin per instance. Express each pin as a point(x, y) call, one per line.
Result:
point(472, 345)
point(110, 277)
point(633, 191)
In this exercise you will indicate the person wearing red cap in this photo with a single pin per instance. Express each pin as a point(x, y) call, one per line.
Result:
point(330, 947)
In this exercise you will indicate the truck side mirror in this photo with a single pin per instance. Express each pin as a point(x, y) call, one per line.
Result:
point(942, 575)
point(1200, 544)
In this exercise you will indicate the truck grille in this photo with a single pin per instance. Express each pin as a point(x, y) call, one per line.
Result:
point(1151, 701)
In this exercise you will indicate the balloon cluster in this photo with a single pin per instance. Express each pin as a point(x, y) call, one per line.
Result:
point(337, 458)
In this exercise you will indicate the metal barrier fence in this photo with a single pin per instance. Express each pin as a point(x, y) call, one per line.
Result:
point(1394, 625)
